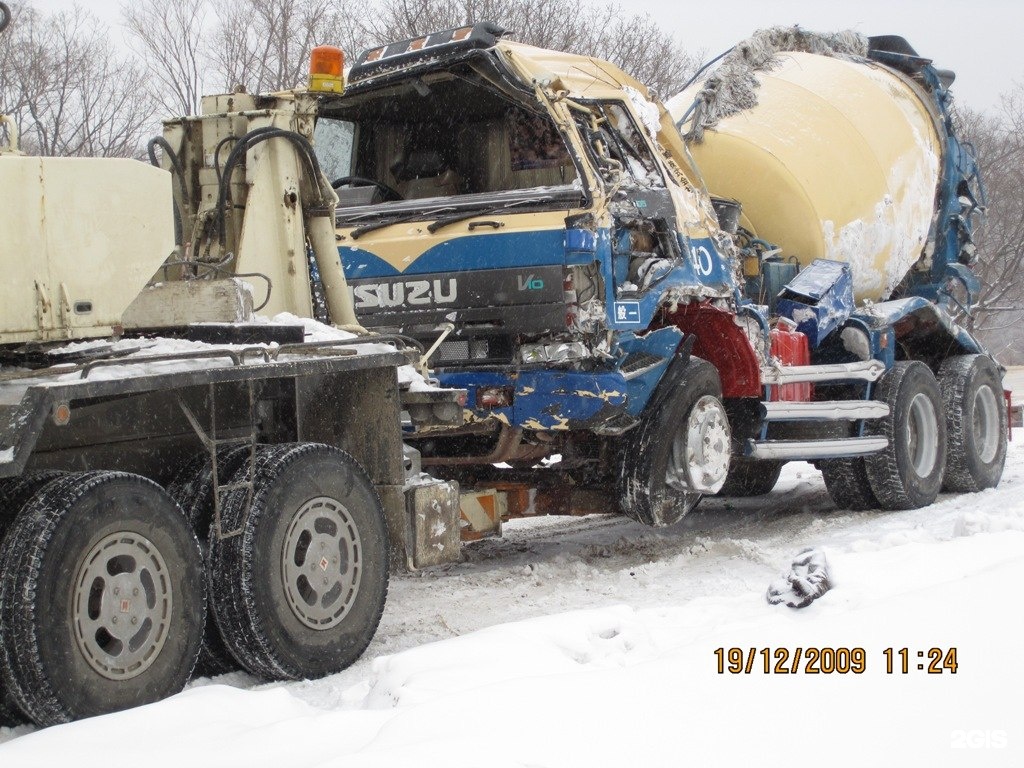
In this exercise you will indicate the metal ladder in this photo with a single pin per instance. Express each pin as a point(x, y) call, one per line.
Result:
point(214, 444)
point(868, 371)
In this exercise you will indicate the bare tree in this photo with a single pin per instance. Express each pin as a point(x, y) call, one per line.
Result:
point(12, 100)
point(636, 43)
point(264, 45)
point(72, 93)
point(171, 35)
point(999, 139)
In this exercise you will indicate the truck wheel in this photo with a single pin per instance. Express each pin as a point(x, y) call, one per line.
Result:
point(847, 483)
point(908, 473)
point(299, 592)
point(15, 492)
point(18, 490)
point(102, 598)
point(751, 478)
point(972, 395)
point(192, 488)
point(678, 452)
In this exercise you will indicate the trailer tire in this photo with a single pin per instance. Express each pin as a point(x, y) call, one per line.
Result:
point(275, 622)
point(658, 446)
point(61, 650)
point(907, 474)
point(847, 483)
point(751, 478)
point(15, 492)
point(192, 488)
point(972, 394)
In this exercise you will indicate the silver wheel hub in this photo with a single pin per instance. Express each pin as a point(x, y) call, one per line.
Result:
point(121, 605)
point(922, 435)
point(321, 563)
point(985, 424)
point(701, 449)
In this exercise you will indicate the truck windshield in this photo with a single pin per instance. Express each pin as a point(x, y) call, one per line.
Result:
point(440, 135)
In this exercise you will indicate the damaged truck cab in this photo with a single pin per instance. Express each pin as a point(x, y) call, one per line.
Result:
point(537, 220)
point(526, 198)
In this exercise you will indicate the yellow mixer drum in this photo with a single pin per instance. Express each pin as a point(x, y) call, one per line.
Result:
point(840, 159)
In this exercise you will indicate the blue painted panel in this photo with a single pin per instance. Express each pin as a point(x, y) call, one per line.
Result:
point(580, 246)
point(704, 269)
point(663, 343)
point(492, 251)
point(819, 299)
point(887, 313)
point(549, 400)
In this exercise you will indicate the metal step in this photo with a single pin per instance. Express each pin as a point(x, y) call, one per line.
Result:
point(826, 410)
point(814, 449)
point(868, 370)
point(639, 363)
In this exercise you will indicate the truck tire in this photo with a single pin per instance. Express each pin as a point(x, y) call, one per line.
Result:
point(192, 488)
point(908, 473)
point(847, 483)
point(751, 478)
point(88, 550)
point(15, 492)
point(972, 395)
point(283, 613)
point(659, 481)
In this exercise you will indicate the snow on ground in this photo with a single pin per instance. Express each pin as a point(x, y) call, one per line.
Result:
point(591, 642)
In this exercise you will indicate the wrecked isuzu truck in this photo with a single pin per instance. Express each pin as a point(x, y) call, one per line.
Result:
point(671, 317)
point(539, 219)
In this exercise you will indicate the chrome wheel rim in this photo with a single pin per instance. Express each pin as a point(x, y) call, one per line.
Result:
point(922, 435)
point(699, 460)
point(121, 605)
point(321, 563)
point(985, 424)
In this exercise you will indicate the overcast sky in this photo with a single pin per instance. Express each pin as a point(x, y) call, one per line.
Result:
point(978, 39)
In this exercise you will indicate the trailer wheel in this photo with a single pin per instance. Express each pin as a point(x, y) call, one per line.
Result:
point(102, 597)
point(908, 473)
point(972, 394)
point(299, 592)
point(751, 478)
point(192, 488)
point(15, 492)
point(847, 483)
point(678, 452)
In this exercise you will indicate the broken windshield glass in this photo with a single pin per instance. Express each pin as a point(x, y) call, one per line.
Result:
point(445, 134)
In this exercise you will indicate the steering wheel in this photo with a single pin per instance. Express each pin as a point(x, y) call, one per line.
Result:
point(390, 193)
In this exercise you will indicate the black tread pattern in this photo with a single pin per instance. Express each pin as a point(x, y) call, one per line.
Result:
point(192, 488)
point(958, 379)
point(751, 478)
point(643, 493)
point(21, 558)
point(885, 473)
point(14, 493)
point(847, 483)
point(20, 563)
point(233, 561)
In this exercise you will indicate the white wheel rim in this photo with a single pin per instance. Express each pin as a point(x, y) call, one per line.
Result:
point(985, 424)
point(701, 449)
point(121, 605)
point(321, 563)
point(922, 435)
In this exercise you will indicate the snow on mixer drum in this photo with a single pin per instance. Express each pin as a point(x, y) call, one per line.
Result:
point(839, 159)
